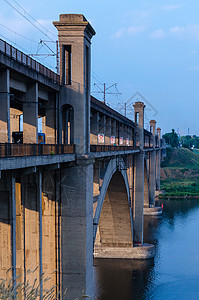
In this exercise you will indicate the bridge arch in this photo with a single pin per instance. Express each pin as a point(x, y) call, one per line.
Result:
point(112, 220)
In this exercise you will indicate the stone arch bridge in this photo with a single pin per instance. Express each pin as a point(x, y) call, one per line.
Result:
point(76, 177)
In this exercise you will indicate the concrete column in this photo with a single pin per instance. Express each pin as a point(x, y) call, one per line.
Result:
point(107, 130)
point(13, 227)
point(48, 229)
point(5, 227)
point(139, 174)
point(30, 115)
point(5, 106)
point(77, 229)
point(19, 235)
point(50, 127)
point(139, 197)
point(158, 161)
point(94, 127)
point(31, 227)
point(152, 171)
point(58, 230)
point(39, 204)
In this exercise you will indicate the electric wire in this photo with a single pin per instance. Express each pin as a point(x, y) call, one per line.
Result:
point(25, 37)
point(26, 18)
point(34, 18)
point(22, 48)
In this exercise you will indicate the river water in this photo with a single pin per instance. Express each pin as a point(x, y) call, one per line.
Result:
point(174, 272)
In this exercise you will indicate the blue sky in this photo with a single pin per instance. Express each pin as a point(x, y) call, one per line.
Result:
point(146, 46)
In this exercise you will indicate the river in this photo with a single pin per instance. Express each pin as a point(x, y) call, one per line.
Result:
point(174, 272)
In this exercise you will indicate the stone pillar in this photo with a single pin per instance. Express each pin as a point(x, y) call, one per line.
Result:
point(107, 130)
point(139, 175)
point(19, 234)
point(152, 171)
point(158, 161)
point(121, 134)
point(102, 121)
point(94, 127)
point(5, 106)
point(139, 197)
point(75, 34)
point(5, 227)
point(48, 230)
point(30, 115)
point(50, 128)
point(13, 226)
point(31, 227)
point(77, 229)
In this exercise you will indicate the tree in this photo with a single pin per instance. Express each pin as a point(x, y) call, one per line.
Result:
point(171, 138)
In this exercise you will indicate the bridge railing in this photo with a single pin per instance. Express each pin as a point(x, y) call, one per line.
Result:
point(23, 58)
point(106, 148)
point(16, 150)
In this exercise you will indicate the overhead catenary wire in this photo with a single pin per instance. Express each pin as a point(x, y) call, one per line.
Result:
point(10, 4)
point(34, 18)
point(22, 48)
point(25, 37)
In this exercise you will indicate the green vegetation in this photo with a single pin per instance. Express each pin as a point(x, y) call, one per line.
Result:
point(180, 174)
point(189, 141)
point(10, 289)
point(171, 138)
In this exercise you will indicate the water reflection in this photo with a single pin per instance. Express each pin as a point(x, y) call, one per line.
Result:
point(174, 272)
point(119, 279)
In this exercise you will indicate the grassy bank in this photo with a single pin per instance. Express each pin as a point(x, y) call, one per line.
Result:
point(180, 174)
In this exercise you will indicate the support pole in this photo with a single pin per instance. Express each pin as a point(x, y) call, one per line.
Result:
point(39, 199)
point(13, 229)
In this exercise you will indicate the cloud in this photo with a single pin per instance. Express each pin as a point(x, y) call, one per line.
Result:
point(131, 30)
point(186, 32)
point(135, 29)
point(195, 68)
point(172, 7)
point(158, 34)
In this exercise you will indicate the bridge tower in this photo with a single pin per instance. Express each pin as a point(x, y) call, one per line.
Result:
point(152, 176)
point(158, 159)
point(139, 174)
point(75, 34)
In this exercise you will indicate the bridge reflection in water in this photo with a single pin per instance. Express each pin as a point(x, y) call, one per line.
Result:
point(173, 274)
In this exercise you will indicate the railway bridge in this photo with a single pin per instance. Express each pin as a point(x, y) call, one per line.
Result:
point(76, 177)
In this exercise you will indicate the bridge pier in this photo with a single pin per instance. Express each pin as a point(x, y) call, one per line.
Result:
point(158, 161)
point(151, 209)
point(77, 229)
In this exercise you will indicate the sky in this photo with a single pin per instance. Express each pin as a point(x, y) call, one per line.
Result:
point(146, 47)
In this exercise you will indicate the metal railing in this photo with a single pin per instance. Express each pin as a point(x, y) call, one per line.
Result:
point(16, 150)
point(105, 148)
point(23, 58)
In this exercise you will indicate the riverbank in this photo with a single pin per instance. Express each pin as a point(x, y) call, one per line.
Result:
point(180, 174)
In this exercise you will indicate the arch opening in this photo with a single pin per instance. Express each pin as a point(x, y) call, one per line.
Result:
point(67, 124)
point(114, 229)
